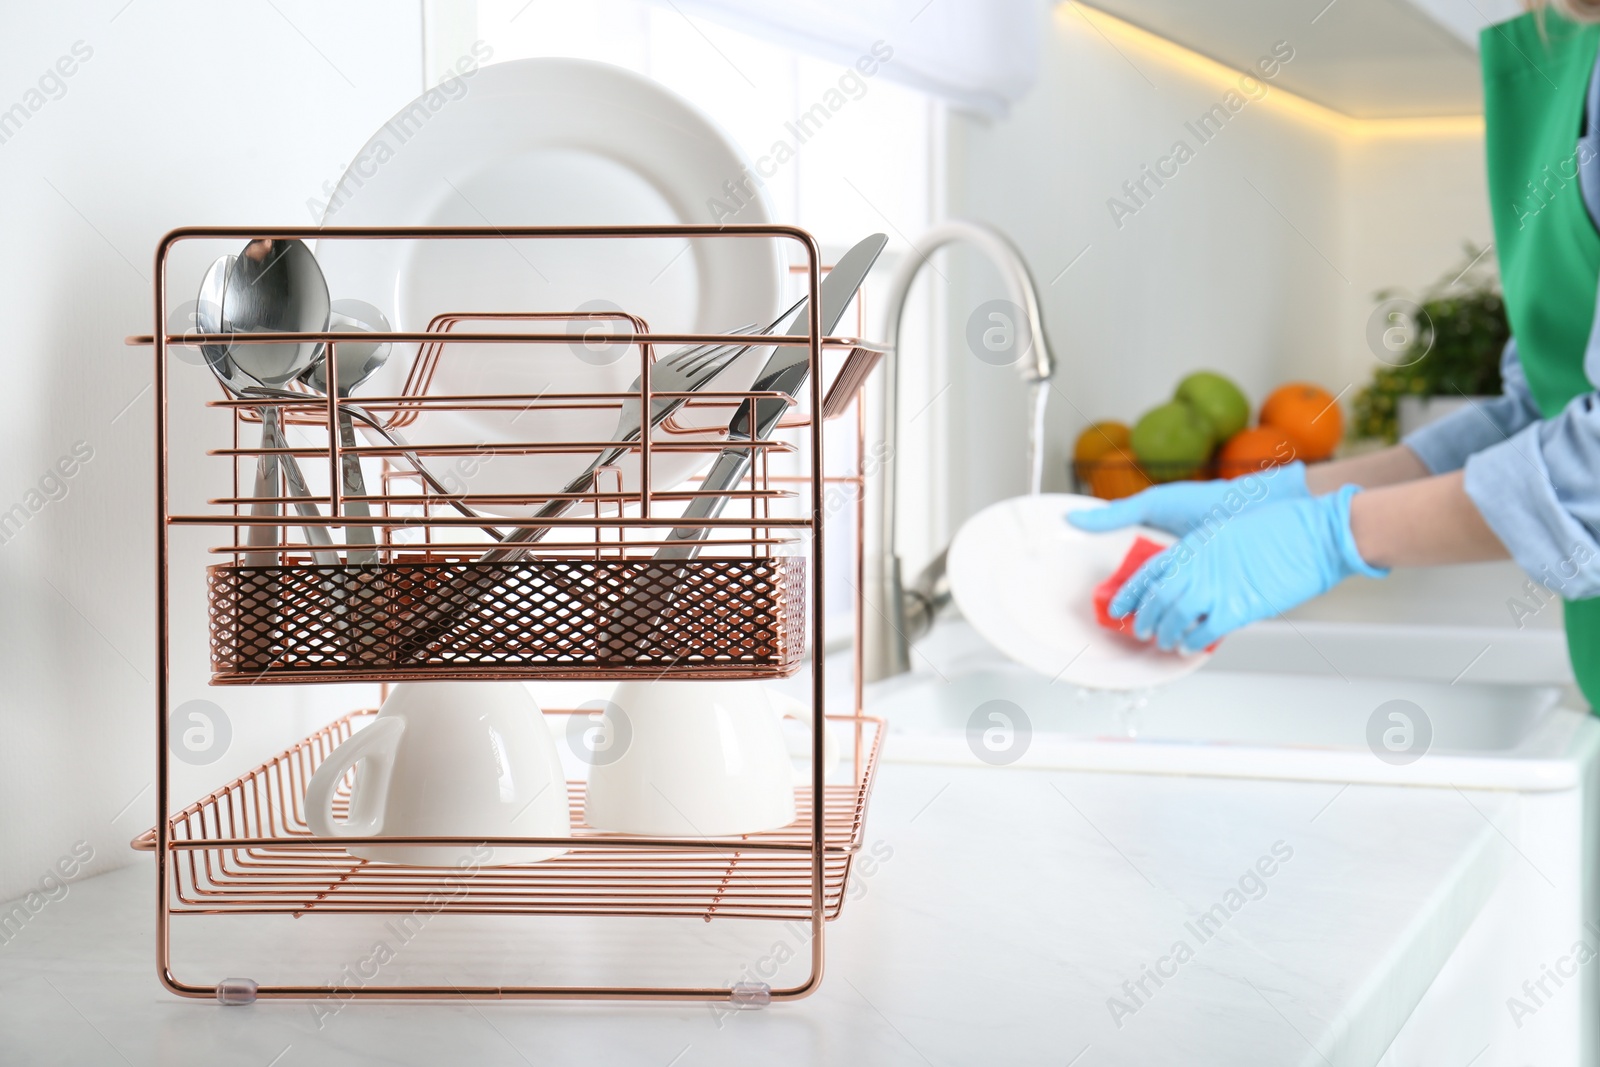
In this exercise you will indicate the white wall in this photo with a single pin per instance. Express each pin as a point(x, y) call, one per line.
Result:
point(256, 106)
point(1258, 259)
point(1409, 205)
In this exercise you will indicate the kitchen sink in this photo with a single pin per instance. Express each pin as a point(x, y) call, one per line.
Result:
point(1330, 726)
point(1234, 708)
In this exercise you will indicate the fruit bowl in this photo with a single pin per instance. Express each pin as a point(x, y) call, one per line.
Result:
point(1114, 477)
point(1204, 432)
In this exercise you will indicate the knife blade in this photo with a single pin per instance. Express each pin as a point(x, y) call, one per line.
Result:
point(786, 372)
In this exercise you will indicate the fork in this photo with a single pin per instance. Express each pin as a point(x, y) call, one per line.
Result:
point(685, 371)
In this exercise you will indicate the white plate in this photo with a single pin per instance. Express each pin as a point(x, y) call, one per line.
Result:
point(548, 142)
point(1024, 578)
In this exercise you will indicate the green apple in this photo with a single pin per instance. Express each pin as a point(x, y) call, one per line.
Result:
point(1222, 403)
point(1173, 441)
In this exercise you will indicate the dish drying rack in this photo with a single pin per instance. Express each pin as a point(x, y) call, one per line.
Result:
point(739, 610)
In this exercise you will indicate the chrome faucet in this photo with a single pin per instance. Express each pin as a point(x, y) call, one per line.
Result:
point(897, 616)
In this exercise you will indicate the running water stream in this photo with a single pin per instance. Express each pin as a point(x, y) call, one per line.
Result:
point(1040, 396)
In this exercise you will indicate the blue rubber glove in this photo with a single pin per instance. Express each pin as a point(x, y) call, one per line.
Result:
point(1179, 507)
point(1217, 579)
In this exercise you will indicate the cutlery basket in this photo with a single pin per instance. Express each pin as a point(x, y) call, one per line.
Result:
point(295, 593)
point(602, 618)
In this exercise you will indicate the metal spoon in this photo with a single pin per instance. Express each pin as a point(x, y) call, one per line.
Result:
point(208, 319)
point(220, 358)
point(355, 362)
point(273, 286)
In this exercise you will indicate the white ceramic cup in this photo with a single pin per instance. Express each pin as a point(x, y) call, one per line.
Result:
point(693, 759)
point(447, 759)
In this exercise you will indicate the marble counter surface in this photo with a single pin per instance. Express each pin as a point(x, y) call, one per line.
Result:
point(1012, 917)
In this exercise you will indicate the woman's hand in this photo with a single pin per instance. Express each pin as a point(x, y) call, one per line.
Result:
point(1180, 507)
point(1254, 565)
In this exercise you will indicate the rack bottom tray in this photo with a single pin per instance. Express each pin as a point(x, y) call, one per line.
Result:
point(272, 865)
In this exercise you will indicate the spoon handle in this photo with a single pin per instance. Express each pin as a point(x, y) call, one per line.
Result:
point(316, 535)
point(265, 537)
point(355, 485)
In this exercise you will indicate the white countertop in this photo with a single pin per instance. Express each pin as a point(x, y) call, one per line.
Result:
point(1014, 904)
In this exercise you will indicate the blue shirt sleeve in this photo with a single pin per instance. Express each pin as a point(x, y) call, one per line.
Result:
point(1532, 479)
point(1444, 446)
point(1536, 490)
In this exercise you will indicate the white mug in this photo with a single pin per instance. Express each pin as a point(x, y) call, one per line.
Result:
point(692, 759)
point(447, 759)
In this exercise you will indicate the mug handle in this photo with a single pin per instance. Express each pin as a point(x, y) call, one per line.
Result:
point(788, 707)
point(375, 747)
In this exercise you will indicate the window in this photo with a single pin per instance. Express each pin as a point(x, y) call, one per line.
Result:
point(867, 168)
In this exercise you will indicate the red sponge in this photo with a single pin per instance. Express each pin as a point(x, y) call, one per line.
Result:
point(1143, 548)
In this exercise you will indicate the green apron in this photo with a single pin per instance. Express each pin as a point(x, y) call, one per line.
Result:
point(1535, 78)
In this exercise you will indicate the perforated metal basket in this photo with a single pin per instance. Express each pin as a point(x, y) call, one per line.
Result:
point(535, 618)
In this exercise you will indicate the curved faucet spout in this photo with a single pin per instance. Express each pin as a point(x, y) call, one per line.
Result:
point(903, 615)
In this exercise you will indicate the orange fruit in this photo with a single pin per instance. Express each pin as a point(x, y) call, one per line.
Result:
point(1113, 479)
point(1103, 440)
point(1309, 415)
point(1254, 450)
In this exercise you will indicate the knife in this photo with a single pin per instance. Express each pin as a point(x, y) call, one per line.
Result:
point(786, 372)
point(660, 411)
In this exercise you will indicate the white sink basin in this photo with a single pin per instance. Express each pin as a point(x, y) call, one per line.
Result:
point(1233, 723)
point(1475, 622)
point(1233, 708)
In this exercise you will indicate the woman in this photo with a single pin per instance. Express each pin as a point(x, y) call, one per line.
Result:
point(1513, 477)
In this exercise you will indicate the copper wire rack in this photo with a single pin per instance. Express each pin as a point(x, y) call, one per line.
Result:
point(590, 602)
point(245, 848)
point(737, 610)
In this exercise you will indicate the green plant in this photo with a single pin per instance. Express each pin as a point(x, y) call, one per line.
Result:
point(1452, 348)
